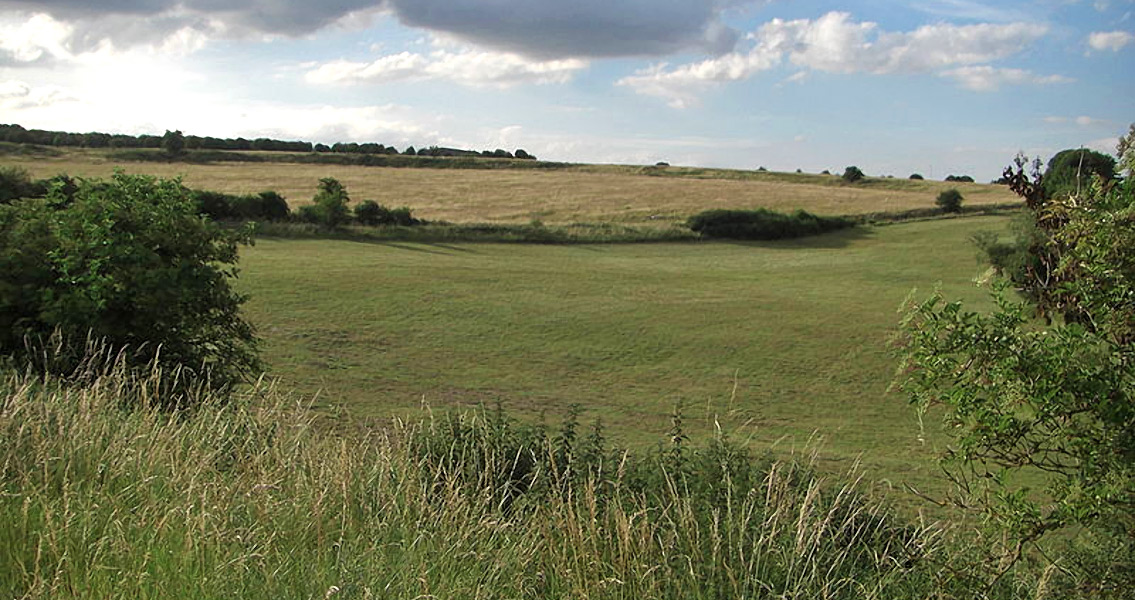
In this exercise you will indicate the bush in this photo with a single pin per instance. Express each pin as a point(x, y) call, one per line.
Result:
point(129, 262)
point(369, 212)
point(273, 206)
point(329, 206)
point(950, 201)
point(852, 174)
point(1021, 394)
point(16, 182)
point(916, 177)
point(959, 178)
point(763, 224)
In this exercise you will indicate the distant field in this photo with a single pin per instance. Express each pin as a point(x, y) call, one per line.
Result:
point(788, 337)
point(586, 193)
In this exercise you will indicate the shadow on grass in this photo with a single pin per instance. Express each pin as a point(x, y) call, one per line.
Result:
point(834, 240)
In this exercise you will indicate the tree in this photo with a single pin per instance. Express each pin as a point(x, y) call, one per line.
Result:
point(852, 174)
point(1024, 399)
point(130, 263)
point(1070, 171)
point(950, 201)
point(329, 206)
point(173, 143)
point(916, 176)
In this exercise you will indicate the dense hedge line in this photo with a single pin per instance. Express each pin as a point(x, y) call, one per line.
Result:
point(763, 224)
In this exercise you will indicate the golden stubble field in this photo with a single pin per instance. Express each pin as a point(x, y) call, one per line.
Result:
point(577, 194)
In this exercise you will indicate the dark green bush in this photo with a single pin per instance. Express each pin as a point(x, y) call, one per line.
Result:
point(852, 174)
point(916, 176)
point(950, 201)
point(128, 262)
point(763, 224)
point(219, 206)
point(16, 182)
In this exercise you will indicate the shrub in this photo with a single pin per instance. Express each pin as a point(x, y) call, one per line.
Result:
point(329, 206)
point(132, 263)
point(959, 178)
point(950, 201)
point(852, 174)
point(1019, 394)
point(916, 176)
point(273, 206)
point(16, 182)
point(369, 212)
point(763, 224)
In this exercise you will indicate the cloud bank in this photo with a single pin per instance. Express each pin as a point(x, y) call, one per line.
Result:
point(544, 29)
point(834, 43)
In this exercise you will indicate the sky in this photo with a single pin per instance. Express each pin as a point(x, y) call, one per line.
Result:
point(937, 87)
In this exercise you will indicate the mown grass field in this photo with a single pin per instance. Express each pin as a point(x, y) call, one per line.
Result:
point(585, 193)
point(777, 341)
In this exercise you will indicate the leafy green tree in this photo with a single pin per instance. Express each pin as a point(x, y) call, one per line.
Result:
point(950, 201)
point(128, 262)
point(1072, 171)
point(173, 143)
point(852, 174)
point(329, 206)
point(1049, 403)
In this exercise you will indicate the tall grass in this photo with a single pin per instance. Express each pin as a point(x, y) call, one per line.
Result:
point(105, 496)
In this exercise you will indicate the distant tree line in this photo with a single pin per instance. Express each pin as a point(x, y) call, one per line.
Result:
point(19, 135)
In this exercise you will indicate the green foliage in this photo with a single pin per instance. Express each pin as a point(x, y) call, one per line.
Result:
point(173, 143)
point(128, 261)
point(959, 178)
point(950, 201)
point(220, 206)
point(369, 212)
point(252, 499)
point(1056, 401)
point(16, 182)
point(852, 174)
point(916, 177)
point(763, 224)
point(1072, 171)
point(329, 206)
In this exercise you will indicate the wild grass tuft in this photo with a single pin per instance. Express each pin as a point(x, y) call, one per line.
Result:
point(106, 496)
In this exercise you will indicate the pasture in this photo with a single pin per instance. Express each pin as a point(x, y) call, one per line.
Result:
point(777, 342)
point(583, 193)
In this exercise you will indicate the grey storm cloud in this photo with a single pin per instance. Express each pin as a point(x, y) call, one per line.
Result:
point(538, 28)
point(578, 28)
point(125, 21)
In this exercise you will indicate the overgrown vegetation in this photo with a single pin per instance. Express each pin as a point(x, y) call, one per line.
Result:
point(1053, 399)
point(130, 262)
point(249, 499)
point(763, 224)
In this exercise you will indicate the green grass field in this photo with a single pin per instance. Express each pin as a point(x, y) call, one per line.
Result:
point(779, 341)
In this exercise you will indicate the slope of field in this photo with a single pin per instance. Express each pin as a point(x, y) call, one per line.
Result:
point(584, 193)
point(787, 337)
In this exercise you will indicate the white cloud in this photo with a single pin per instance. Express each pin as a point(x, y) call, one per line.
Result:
point(1110, 40)
point(985, 78)
point(39, 38)
point(465, 67)
point(834, 43)
point(17, 95)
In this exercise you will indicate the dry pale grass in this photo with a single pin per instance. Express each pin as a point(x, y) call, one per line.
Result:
point(582, 194)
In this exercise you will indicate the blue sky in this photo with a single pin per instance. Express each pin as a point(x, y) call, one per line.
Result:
point(936, 87)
